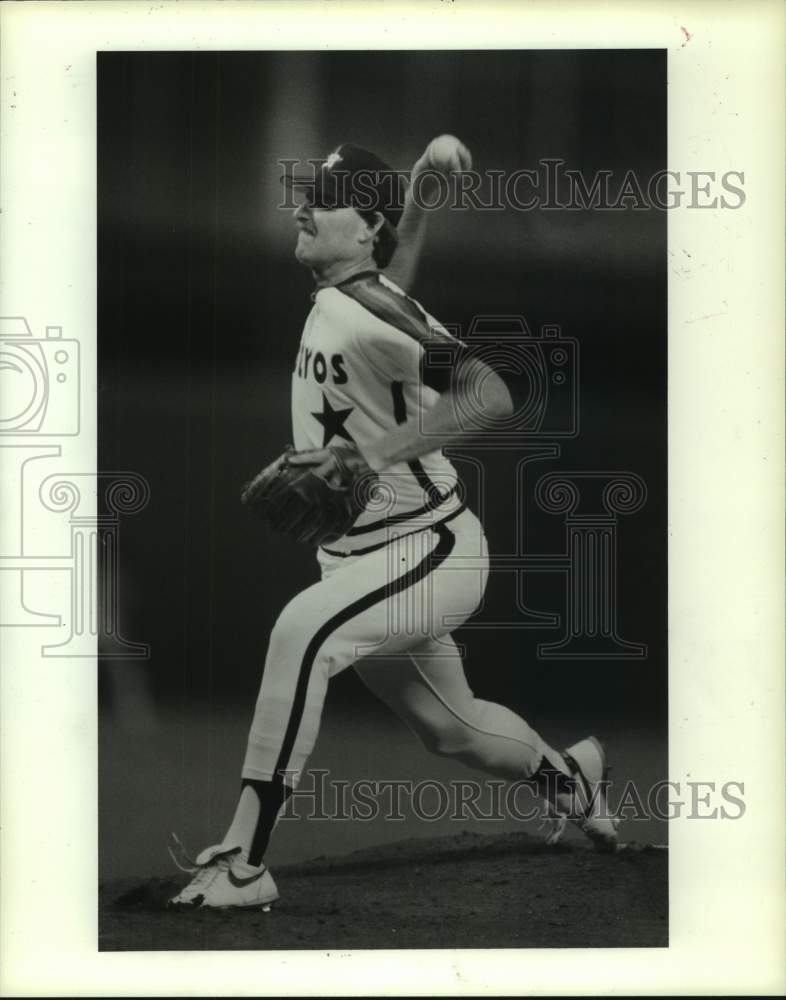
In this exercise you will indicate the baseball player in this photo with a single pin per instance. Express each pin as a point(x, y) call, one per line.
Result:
point(403, 560)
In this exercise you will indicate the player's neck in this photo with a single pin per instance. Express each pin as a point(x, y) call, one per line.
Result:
point(334, 274)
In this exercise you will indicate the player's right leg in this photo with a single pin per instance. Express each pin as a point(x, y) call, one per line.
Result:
point(384, 602)
point(288, 708)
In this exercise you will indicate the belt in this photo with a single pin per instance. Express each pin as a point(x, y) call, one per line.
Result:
point(381, 545)
point(406, 515)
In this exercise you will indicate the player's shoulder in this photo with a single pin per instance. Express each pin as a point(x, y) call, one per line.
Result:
point(385, 302)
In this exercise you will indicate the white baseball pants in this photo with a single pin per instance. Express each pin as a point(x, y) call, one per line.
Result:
point(389, 611)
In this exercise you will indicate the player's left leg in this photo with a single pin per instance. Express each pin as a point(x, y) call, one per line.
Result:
point(430, 692)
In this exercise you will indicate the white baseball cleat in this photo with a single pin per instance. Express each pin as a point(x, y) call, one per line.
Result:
point(587, 762)
point(586, 805)
point(222, 878)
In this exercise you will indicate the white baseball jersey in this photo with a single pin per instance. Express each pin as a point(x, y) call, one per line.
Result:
point(362, 370)
point(391, 591)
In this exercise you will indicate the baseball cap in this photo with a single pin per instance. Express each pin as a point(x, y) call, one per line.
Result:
point(353, 177)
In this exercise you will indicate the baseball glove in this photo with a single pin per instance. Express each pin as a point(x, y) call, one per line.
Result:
point(312, 496)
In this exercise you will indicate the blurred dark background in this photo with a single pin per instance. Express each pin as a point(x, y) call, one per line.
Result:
point(201, 305)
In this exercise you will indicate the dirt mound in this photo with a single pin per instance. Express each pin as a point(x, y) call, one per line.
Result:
point(470, 891)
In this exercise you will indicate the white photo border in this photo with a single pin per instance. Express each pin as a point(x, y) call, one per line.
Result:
point(726, 112)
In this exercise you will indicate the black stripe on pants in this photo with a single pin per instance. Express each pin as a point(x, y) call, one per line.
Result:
point(432, 561)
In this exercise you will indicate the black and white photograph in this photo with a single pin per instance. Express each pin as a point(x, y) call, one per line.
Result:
point(386, 576)
point(408, 309)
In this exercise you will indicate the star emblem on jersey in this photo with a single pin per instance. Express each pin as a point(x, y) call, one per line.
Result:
point(333, 422)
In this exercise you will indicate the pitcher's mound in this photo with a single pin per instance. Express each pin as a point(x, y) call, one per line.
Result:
point(466, 891)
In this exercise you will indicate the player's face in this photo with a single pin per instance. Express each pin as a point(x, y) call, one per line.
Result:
point(329, 236)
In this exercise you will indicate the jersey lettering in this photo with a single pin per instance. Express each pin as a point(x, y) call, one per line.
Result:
point(339, 372)
point(319, 368)
point(356, 378)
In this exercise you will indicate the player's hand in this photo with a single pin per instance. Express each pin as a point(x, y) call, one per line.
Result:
point(312, 496)
point(446, 155)
point(338, 466)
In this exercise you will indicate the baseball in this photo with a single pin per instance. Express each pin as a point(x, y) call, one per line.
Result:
point(447, 153)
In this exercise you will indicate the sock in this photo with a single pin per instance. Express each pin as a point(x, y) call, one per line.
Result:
point(255, 816)
point(554, 781)
point(270, 796)
point(244, 822)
